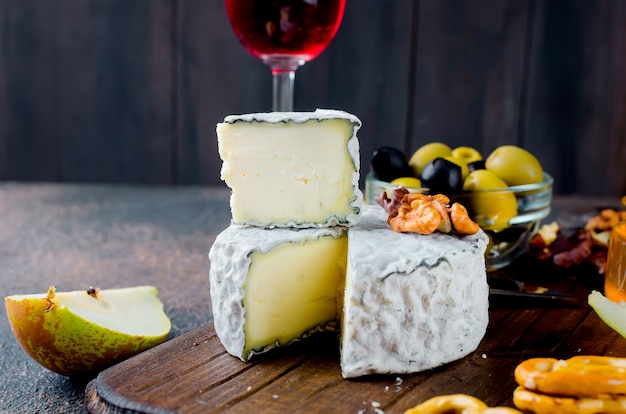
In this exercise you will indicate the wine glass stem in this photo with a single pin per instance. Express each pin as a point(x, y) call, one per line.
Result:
point(283, 89)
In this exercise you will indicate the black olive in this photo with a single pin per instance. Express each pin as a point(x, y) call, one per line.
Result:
point(389, 163)
point(476, 165)
point(442, 176)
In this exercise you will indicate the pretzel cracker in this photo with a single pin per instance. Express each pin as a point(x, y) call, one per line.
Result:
point(458, 404)
point(539, 403)
point(579, 376)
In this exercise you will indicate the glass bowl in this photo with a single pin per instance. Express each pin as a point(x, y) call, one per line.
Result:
point(509, 216)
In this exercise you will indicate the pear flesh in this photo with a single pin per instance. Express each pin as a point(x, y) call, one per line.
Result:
point(84, 331)
point(612, 313)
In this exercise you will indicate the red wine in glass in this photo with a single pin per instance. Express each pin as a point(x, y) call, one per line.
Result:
point(285, 34)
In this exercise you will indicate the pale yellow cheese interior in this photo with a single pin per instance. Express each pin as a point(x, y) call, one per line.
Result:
point(292, 290)
point(281, 172)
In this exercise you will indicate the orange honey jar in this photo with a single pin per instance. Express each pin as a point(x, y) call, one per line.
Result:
point(615, 277)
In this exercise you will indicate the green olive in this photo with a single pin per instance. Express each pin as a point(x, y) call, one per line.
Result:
point(467, 154)
point(407, 182)
point(483, 180)
point(489, 203)
point(426, 153)
point(514, 165)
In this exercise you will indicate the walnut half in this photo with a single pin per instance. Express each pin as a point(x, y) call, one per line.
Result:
point(425, 214)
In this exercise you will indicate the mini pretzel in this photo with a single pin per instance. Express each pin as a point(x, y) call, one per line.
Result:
point(458, 404)
point(580, 376)
point(546, 404)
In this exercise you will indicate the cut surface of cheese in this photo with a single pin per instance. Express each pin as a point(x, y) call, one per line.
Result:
point(292, 169)
point(272, 287)
point(412, 302)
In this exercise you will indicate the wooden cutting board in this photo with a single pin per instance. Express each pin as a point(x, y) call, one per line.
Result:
point(193, 373)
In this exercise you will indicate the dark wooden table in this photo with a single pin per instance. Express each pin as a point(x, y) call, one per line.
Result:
point(75, 236)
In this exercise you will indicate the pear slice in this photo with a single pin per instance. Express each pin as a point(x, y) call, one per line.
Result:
point(612, 313)
point(84, 331)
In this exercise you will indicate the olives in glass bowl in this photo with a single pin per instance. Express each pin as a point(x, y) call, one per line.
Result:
point(509, 214)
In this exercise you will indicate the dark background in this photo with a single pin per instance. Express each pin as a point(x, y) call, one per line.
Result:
point(129, 91)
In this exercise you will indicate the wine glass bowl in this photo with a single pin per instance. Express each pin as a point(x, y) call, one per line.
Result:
point(285, 34)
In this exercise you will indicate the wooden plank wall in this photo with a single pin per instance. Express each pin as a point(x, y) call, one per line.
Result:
point(130, 90)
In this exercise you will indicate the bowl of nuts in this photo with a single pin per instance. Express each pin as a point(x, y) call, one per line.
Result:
point(507, 193)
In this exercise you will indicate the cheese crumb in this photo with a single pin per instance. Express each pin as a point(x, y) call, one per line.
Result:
point(398, 382)
point(376, 406)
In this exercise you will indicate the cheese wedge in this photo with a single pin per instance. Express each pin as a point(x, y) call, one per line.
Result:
point(272, 287)
point(292, 169)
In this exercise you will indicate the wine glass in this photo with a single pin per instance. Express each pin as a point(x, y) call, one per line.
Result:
point(285, 34)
